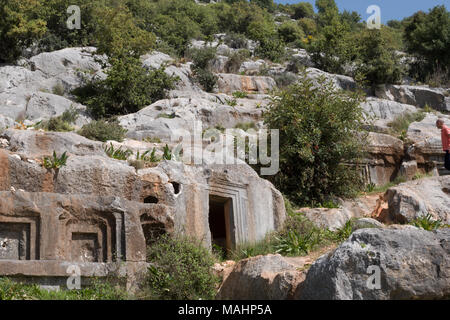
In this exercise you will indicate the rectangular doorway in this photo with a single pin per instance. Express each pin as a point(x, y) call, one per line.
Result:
point(220, 212)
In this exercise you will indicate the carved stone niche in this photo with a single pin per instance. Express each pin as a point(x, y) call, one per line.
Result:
point(19, 238)
point(151, 228)
point(92, 237)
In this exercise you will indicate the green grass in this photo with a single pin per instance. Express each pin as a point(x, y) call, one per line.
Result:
point(372, 188)
point(62, 123)
point(298, 237)
point(399, 126)
point(11, 290)
point(240, 94)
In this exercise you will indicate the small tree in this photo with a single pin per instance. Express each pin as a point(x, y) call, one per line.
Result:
point(127, 88)
point(319, 136)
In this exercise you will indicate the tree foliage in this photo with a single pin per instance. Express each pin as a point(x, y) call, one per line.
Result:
point(319, 137)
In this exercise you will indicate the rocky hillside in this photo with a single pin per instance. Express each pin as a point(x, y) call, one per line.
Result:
point(95, 168)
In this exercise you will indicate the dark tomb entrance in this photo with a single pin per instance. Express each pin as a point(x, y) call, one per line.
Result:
point(220, 210)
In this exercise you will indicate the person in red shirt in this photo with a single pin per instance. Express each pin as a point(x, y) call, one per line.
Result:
point(445, 136)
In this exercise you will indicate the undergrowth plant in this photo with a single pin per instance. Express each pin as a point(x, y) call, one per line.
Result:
point(55, 162)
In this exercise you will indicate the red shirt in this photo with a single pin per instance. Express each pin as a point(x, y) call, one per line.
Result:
point(445, 132)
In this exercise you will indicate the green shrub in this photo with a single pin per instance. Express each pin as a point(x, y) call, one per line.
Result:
point(303, 10)
point(167, 153)
point(61, 123)
point(102, 130)
point(320, 133)
point(236, 41)
point(377, 61)
point(271, 48)
point(290, 32)
point(240, 94)
point(127, 88)
point(55, 162)
point(181, 270)
point(235, 61)
point(246, 126)
point(201, 67)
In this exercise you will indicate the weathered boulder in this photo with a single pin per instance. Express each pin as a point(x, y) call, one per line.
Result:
point(380, 112)
point(6, 122)
point(418, 96)
point(229, 83)
point(251, 67)
point(339, 81)
point(364, 223)
point(164, 117)
point(413, 199)
point(269, 277)
point(33, 143)
point(42, 106)
point(413, 264)
point(336, 218)
point(50, 72)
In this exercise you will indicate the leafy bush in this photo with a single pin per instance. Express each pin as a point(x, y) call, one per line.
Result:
point(181, 270)
point(377, 61)
point(290, 32)
point(55, 162)
point(320, 133)
point(235, 61)
point(201, 67)
point(103, 131)
point(127, 88)
point(61, 123)
point(236, 41)
point(271, 48)
point(303, 10)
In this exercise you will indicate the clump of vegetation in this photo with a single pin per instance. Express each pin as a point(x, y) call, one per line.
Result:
point(180, 269)
point(240, 94)
point(102, 130)
point(320, 130)
point(167, 155)
point(117, 153)
point(11, 290)
point(63, 123)
point(201, 67)
point(399, 126)
point(427, 222)
point(55, 162)
point(235, 60)
point(127, 88)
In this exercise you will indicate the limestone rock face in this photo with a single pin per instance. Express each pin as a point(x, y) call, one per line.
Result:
point(25, 90)
point(413, 264)
point(269, 277)
point(410, 200)
point(166, 116)
point(229, 83)
point(384, 111)
point(418, 96)
point(339, 81)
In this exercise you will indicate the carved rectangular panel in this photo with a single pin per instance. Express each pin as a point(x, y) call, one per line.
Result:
point(14, 241)
point(85, 247)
